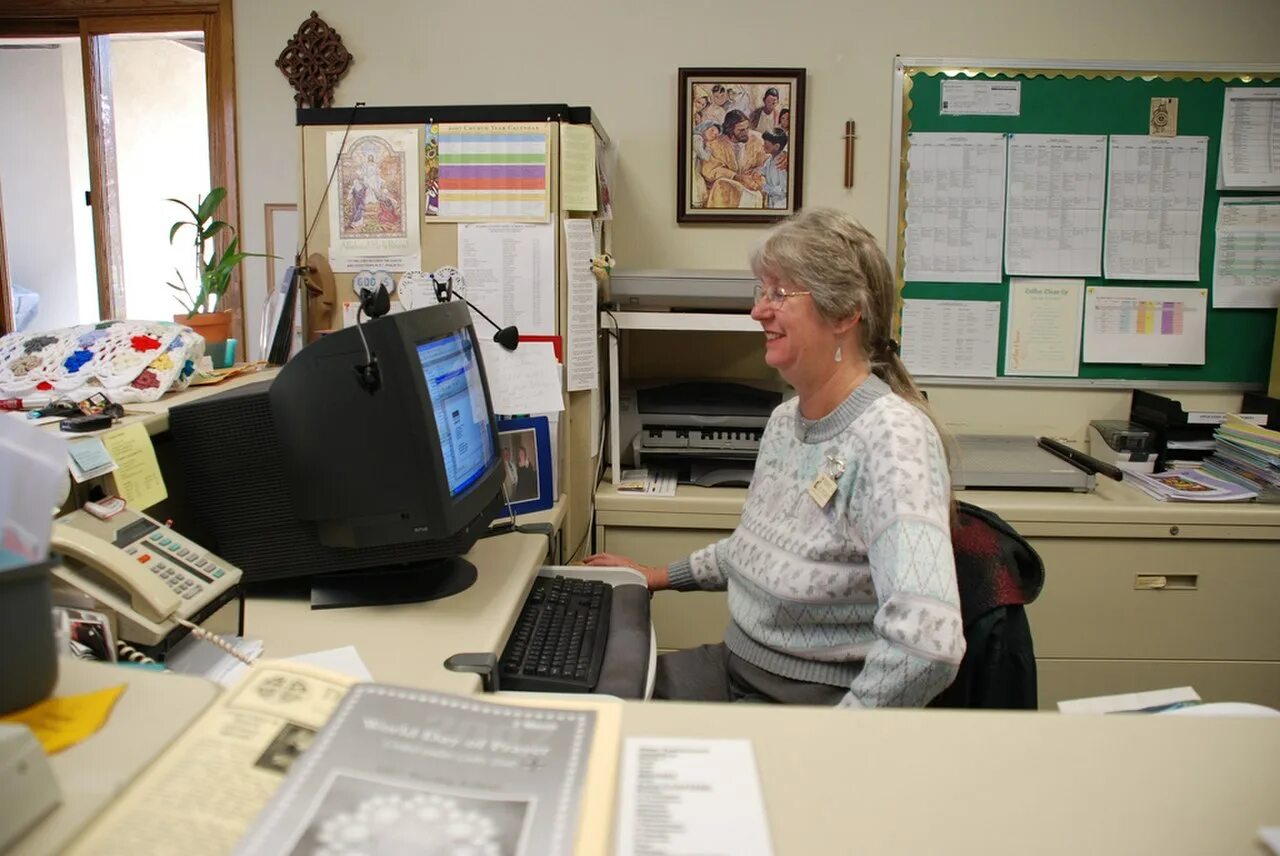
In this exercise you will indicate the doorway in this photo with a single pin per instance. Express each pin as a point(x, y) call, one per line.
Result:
point(117, 116)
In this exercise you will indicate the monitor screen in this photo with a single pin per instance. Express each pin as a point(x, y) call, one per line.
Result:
point(452, 373)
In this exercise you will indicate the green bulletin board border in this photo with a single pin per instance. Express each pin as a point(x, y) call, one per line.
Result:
point(1064, 99)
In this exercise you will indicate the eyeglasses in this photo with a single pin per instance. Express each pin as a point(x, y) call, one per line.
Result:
point(775, 295)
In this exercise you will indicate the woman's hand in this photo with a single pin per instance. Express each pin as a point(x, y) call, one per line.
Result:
point(655, 577)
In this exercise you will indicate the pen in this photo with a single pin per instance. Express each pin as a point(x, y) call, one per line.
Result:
point(1088, 463)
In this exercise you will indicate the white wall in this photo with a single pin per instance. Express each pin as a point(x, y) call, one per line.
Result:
point(78, 163)
point(35, 177)
point(162, 152)
point(621, 58)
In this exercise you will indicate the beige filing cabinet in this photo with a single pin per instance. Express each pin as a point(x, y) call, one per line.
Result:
point(1138, 594)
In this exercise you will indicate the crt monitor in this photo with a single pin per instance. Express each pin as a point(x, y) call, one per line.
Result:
point(373, 481)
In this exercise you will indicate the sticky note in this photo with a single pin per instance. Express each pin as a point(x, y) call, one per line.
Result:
point(138, 478)
point(63, 721)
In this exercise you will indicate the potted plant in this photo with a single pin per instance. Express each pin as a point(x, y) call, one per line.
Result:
point(204, 312)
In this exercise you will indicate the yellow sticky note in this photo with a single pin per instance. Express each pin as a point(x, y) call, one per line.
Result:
point(61, 722)
point(138, 479)
point(577, 167)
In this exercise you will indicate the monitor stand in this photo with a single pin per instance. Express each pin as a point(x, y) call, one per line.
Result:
point(429, 580)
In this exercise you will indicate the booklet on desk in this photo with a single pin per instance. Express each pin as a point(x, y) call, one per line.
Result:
point(1188, 485)
point(385, 769)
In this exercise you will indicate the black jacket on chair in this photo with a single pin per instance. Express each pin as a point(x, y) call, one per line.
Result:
point(998, 573)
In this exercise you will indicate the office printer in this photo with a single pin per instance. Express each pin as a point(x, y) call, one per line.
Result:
point(708, 425)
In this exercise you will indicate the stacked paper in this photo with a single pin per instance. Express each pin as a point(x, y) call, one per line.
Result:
point(1248, 455)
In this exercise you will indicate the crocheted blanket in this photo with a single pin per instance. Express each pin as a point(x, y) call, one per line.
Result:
point(127, 361)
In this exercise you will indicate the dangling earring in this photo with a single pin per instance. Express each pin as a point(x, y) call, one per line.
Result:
point(839, 353)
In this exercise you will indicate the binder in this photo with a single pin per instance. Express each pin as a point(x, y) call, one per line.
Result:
point(1187, 435)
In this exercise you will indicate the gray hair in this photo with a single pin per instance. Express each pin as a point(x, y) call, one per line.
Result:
point(833, 257)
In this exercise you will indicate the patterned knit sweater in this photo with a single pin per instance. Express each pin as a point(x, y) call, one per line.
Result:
point(860, 592)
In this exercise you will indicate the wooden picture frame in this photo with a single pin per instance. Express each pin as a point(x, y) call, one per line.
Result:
point(747, 172)
point(520, 440)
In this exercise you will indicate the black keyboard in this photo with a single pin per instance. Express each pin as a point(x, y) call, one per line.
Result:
point(559, 639)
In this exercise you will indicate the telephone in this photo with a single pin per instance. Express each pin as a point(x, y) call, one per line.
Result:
point(150, 577)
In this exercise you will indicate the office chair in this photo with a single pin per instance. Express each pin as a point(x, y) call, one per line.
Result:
point(998, 574)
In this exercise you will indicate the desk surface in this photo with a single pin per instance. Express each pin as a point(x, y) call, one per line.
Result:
point(155, 414)
point(970, 782)
point(151, 713)
point(408, 644)
point(874, 781)
point(1111, 502)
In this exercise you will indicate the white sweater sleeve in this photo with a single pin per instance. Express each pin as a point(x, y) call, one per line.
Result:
point(902, 505)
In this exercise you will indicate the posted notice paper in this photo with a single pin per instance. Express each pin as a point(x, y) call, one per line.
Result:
point(981, 97)
point(1155, 205)
point(509, 271)
point(577, 167)
point(1246, 254)
point(1053, 214)
point(526, 380)
point(582, 359)
point(951, 338)
point(1250, 155)
point(1156, 326)
point(955, 207)
point(680, 796)
point(1042, 331)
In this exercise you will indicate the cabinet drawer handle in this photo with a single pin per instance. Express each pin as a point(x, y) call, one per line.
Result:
point(1166, 582)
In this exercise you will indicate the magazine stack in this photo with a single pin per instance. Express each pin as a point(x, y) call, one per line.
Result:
point(1188, 485)
point(1248, 455)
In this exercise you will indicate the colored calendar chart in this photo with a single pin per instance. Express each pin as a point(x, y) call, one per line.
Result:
point(491, 171)
point(1152, 326)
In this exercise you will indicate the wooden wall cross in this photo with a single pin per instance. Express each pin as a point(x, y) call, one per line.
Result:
point(314, 60)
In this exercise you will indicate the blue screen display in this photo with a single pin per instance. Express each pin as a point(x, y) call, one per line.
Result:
point(452, 373)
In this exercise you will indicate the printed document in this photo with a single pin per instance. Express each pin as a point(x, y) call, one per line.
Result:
point(399, 770)
point(582, 348)
point(1246, 254)
point(577, 167)
point(955, 207)
point(981, 98)
point(951, 338)
point(1160, 326)
point(1250, 156)
point(681, 796)
point(1053, 216)
point(509, 272)
point(1042, 334)
point(1155, 205)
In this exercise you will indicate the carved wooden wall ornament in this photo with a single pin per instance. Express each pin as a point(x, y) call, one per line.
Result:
point(314, 61)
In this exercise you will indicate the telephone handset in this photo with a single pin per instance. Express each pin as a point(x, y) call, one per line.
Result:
point(148, 595)
point(143, 572)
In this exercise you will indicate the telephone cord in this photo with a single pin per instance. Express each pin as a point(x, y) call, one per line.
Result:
point(214, 639)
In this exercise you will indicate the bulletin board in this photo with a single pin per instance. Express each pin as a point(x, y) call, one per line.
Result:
point(1097, 99)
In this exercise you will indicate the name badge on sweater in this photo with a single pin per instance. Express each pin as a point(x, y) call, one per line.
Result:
point(824, 486)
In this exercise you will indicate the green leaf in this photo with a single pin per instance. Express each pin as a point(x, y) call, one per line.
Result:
point(174, 230)
point(186, 206)
point(213, 228)
point(211, 203)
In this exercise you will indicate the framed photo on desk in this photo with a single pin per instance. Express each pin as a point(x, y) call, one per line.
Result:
point(524, 445)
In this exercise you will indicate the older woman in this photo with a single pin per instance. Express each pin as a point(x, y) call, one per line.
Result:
point(840, 576)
